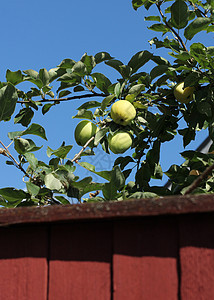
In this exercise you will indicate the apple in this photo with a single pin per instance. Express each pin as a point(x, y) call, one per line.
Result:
point(183, 95)
point(120, 141)
point(123, 112)
point(84, 131)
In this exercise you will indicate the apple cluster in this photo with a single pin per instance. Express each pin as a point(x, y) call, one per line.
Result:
point(122, 113)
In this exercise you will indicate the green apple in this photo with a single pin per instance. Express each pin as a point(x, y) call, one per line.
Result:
point(123, 112)
point(120, 141)
point(183, 95)
point(84, 131)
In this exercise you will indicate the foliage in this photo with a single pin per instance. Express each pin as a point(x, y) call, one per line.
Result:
point(156, 122)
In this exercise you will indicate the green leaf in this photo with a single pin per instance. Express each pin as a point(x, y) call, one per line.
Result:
point(13, 196)
point(35, 129)
point(79, 68)
point(32, 188)
point(99, 135)
point(104, 174)
point(67, 63)
point(61, 152)
point(124, 70)
point(30, 157)
point(196, 26)
point(21, 145)
point(101, 81)
point(106, 101)
point(179, 14)
point(89, 62)
point(136, 89)
point(32, 73)
point(62, 200)
point(24, 116)
point(14, 77)
point(139, 59)
point(116, 183)
point(152, 18)
point(89, 104)
point(47, 107)
point(84, 114)
point(137, 3)
point(102, 56)
point(159, 27)
point(44, 76)
point(78, 88)
point(188, 135)
point(158, 70)
point(53, 183)
point(8, 99)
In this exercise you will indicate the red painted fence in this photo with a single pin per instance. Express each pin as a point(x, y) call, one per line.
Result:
point(140, 249)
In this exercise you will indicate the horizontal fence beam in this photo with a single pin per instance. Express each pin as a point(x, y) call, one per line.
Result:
point(108, 210)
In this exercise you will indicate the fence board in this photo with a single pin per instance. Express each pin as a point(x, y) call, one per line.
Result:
point(145, 259)
point(80, 261)
point(23, 263)
point(197, 257)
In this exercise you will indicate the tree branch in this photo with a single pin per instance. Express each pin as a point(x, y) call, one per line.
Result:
point(66, 99)
point(199, 179)
point(171, 28)
point(83, 148)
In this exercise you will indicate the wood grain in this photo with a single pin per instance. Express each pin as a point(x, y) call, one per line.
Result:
point(80, 261)
point(145, 259)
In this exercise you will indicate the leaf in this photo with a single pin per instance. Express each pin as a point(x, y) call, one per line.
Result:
point(67, 63)
point(104, 174)
point(35, 129)
point(124, 70)
point(79, 68)
point(89, 62)
point(158, 70)
point(44, 76)
point(152, 18)
point(99, 135)
point(84, 114)
point(32, 73)
point(101, 81)
point(61, 152)
point(102, 56)
point(179, 14)
point(159, 27)
point(137, 3)
point(139, 59)
point(47, 107)
point(13, 196)
point(14, 77)
point(106, 101)
point(30, 157)
point(89, 104)
point(196, 26)
point(24, 116)
point(116, 183)
point(32, 188)
point(62, 200)
point(78, 88)
point(8, 99)
point(136, 89)
point(53, 183)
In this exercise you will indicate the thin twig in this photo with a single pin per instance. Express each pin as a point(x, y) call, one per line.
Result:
point(66, 99)
point(83, 148)
point(171, 28)
point(199, 179)
point(9, 155)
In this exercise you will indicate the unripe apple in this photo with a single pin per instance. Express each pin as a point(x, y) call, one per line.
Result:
point(119, 142)
point(183, 95)
point(123, 112)
point(84, 131)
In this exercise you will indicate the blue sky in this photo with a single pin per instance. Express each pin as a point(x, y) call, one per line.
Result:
point(40, 34)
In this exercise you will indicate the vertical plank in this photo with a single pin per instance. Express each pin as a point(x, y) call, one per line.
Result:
point(80, 261)
point(23, 263)
point(145, 259)
point(197, 256)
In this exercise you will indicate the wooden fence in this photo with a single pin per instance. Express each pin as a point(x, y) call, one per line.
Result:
point(144, 249)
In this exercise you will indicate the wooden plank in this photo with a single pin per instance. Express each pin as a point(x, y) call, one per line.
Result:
point(197, 257)
point(23, 263)
point(80, 261)
point(145, 259)
point(109, 210)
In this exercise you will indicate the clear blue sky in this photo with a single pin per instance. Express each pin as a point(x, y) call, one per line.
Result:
point(40, 34)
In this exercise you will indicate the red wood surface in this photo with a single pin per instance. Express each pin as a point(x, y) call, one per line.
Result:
point(23, 263)
point(80, 265)
point(145, 259)
point(197, 257)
